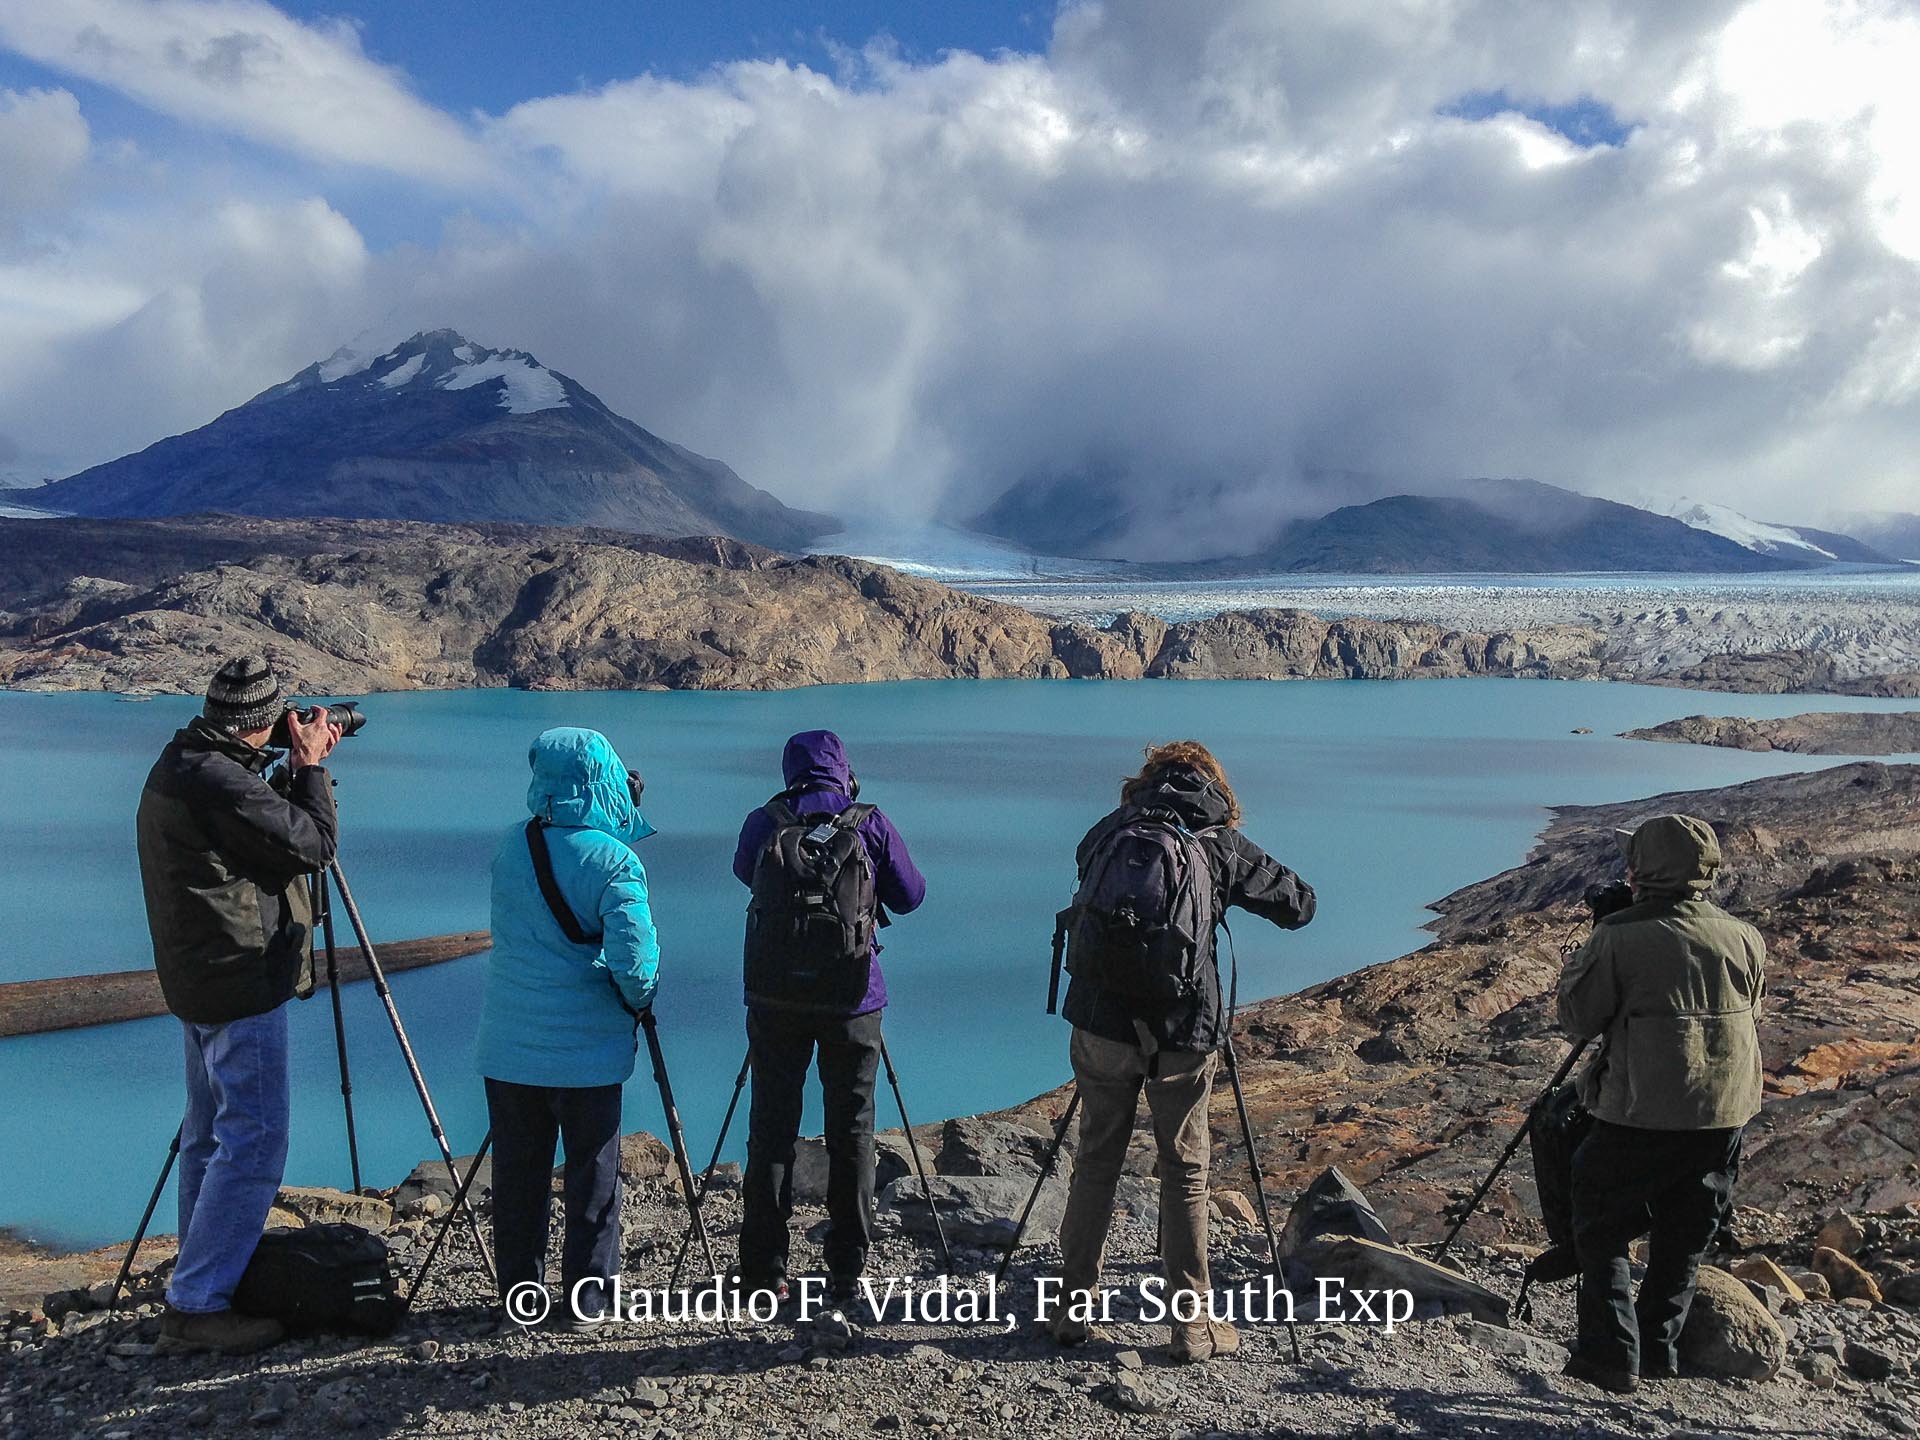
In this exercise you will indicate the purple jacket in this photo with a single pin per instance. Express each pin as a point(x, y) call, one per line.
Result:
point(820, 782)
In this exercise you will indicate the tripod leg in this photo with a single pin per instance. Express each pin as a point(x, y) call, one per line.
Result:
point(713, 1163)
point(446, 1226)
point(1259, 1184)
point(1513, 1145)
point(406, 1051)
point(146, 1219)
point(919, 1165)
point(323, 912)
point(677, 1136)
point(1046, 1174)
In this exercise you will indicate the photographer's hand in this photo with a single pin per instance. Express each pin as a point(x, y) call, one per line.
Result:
point(310, 744)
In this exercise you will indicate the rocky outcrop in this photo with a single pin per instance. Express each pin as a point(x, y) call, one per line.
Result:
point(1826, 733)
point(344, 608)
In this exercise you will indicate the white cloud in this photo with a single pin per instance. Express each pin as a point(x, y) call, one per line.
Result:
point(44, 144)
point(1223, 243)
point(245, 67)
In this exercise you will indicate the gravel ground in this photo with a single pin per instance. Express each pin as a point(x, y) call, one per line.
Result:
point(449, 1373)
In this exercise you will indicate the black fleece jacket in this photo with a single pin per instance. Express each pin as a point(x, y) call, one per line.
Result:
point(224, 856)
point(1244, 875)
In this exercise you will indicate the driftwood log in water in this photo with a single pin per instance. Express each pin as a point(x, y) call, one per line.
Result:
point(71, 1002)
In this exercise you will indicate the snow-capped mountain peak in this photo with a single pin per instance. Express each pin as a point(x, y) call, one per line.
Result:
point(439, 360)
point(1755, 535)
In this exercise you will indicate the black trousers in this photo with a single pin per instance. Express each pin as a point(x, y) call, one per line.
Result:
point(780, 1046)
point(527, 1120)
point(1673, 1186)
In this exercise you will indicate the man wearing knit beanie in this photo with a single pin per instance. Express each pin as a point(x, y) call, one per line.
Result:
point(226, 852)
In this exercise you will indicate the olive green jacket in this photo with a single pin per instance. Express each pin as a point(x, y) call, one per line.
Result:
point(1671, 986)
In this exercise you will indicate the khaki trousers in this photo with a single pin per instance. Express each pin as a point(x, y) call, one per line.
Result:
point(1111, 1076)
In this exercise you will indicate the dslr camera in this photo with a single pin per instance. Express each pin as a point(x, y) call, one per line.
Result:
point(347, 715)
point(1604, 900)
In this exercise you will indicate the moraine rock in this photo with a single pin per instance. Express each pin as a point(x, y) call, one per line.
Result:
point(1728, 1332)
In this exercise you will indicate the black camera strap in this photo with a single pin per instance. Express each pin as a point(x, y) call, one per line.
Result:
point(550, 887)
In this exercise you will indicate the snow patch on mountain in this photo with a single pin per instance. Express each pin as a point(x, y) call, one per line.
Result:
point(344, 362)
point(403, 372)
point(1755, 535)
point(529, 386)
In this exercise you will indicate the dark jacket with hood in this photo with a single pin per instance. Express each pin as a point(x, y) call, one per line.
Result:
point(1671, 986)
point(224, 858)
point(1243, 875)
point(820, 782)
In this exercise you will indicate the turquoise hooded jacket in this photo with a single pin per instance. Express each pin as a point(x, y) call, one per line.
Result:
point(553, 1013)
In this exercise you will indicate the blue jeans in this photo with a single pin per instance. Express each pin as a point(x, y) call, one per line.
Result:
point(233, 1151)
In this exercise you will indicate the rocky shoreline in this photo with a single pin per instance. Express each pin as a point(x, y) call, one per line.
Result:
point(350, 607)
point(1825, 733)
point(1408, 1075)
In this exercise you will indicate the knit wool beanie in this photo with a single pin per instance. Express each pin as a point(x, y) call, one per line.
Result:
point(243, 695)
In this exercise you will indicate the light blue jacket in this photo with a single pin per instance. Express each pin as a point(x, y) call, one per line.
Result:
point(553, 1013)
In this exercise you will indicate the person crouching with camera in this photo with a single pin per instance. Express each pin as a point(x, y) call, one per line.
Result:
point(574, 963)
point(1671, 986)
point(225, 852)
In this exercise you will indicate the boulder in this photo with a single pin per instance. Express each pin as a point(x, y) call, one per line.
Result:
point(1759, 1270)
point(1369, 1265)
point(977, 1210)
point(973, 1145)
point(1844, 1276)
point(1728, 1332)
point(1236, 1208)
point(810, 1170)
point(430, 1177)
point(318, 1205)
point(644, 1157)
point(1813, 1284)
point(1843, 1233)
point(1331, 1206)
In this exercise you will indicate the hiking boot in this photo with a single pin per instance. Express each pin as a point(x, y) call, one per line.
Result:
point(843, 1290)
point(1616, 1382)
point(1656, 1370)
point(1068, 1333)
point(1194, 1343)
point(215, 1332)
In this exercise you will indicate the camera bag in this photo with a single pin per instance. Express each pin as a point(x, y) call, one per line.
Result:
point(322, 1279)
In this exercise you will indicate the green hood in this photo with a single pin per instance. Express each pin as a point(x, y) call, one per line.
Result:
point(1671, 855)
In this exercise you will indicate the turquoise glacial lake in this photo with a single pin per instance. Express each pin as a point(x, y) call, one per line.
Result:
point(1385, 795)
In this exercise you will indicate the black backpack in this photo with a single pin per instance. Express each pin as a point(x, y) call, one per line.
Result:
point(322, 1278)
point(1143, 915)
point(810, 923)
point(1556, 1125)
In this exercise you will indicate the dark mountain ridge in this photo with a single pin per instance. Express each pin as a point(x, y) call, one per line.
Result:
point(435, 429)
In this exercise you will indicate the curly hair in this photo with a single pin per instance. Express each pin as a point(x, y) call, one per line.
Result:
point(1180, 755)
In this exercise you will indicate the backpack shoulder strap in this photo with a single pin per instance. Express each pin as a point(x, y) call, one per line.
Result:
point(780, 812)
point(852, 818)
point(550, 888)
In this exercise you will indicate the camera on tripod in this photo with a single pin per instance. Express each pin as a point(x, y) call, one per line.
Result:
point(1605, 900)
point(347, 715)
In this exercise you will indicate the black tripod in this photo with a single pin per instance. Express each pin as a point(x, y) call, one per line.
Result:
point(713, 1164)
point(1513, 1146)
point(323, 914)
point(682, 1162)
point(1246, 1131)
